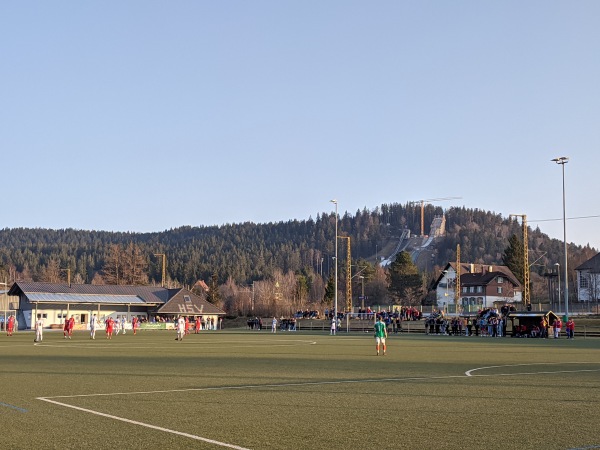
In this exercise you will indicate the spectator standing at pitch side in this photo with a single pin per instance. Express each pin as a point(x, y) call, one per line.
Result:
point(380, 335)
point(570, 327)
point(557, 328)
point(274, 325)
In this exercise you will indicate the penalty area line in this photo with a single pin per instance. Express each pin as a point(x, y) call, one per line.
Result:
point(142, 424)
point(318, 383)
point(469, 373)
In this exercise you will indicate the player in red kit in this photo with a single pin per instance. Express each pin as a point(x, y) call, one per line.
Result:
point(109, 327)
point(10, 325)
point(66, 329)
point(71, 322)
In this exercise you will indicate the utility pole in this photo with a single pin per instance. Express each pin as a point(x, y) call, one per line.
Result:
point(164, 268)
point(457, 283)
point(362, 298)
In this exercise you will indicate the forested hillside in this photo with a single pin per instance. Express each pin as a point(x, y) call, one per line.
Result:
point(248, 252)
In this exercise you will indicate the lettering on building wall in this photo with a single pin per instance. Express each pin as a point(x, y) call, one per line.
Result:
point(190, 309)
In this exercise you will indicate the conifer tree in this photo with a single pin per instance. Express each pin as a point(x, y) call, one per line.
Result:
point(213, 295)
point(513, 257)
point(329, 291)
point(404, 281)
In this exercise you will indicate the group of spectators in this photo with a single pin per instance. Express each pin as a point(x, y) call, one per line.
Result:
point(329, 313)
point(196, 323)
point(544, 329)
point(306, 314)
point(491, 322)
point(488, 322)
point(255, 323)
point(287, 324)
point(402, 312)
point(284, 324)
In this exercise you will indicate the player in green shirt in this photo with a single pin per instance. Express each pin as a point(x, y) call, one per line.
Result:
point(380, 334)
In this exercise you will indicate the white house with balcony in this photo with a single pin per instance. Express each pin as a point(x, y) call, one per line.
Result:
point(481, 286)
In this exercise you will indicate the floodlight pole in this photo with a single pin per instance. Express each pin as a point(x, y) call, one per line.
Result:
point(562, 160)
point(558, 277)
point(5, 303)
point(335, 304)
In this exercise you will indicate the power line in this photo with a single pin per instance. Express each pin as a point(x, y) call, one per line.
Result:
point(568, 218)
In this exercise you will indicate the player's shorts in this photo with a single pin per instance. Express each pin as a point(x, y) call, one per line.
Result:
point(380, 340)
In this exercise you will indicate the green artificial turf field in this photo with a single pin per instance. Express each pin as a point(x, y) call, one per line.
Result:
point(298, 390)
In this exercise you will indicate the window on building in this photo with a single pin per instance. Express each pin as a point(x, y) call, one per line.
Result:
point(584, 281)
point(472, 289)
point(500, 280)
point(464, 289)
point(186, 298)
point(479, 289)
point(499, 289)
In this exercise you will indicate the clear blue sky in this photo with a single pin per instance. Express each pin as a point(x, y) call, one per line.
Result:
point(148, 115)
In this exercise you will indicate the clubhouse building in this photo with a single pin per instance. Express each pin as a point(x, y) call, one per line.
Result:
point(154, 306)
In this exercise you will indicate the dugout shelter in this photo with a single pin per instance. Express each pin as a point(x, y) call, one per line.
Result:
point(530, 319)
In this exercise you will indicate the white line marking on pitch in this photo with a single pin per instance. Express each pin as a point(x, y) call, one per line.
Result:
point(274, 385)
point(468, 373)
point(184, 344)
point(315, 383)
point(147, 425)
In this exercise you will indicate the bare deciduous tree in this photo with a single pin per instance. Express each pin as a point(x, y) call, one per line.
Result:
point(51, 272)
point(126, 267)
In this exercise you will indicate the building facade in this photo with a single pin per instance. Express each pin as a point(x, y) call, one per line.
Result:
point(55, 302)
point(588, 280)
point(481, 286)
